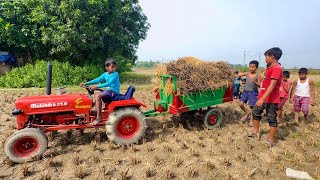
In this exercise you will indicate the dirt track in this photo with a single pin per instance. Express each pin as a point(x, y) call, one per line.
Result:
point(172, 149)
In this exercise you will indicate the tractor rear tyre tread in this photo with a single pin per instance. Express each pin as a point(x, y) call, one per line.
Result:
point(115, 119)
point(15, 146)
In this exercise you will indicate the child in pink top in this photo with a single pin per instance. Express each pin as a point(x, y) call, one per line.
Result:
point(284, 93)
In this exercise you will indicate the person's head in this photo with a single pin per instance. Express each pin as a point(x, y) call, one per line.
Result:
point(110, 65)
point(303, 72)
point(253, 66)
point(285, 75)
point(273, 55)
point(236, 72)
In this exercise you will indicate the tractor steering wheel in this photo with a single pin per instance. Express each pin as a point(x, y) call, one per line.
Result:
point(90, 91)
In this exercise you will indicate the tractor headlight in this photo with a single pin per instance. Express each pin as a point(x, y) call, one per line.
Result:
point(17, 112)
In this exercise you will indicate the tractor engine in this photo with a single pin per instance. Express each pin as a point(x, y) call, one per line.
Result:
point(59, 118)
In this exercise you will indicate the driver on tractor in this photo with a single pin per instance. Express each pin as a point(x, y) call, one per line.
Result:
point(111, 82)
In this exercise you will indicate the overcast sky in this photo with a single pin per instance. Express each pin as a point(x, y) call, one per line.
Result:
point(223, 30)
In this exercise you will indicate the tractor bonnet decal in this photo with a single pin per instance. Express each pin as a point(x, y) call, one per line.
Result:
point(48, 105)
point(78, 106)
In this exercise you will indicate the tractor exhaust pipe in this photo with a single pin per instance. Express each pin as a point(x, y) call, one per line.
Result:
point(49, 78)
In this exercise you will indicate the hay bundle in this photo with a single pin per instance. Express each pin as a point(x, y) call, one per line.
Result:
point(194, 75)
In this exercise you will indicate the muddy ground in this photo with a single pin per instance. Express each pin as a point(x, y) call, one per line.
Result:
point(174, 148)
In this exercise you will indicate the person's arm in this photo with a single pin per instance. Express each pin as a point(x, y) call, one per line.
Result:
point(312, 91)
point(293, 90)
point(268, 91)
point(111, 80)
point(290, 89)
point(96, 81)
point(258, 81)
point(287, 88)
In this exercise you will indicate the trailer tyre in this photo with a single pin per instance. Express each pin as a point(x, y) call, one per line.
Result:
point(212, 118)
point(126, 126)
point(26, 145)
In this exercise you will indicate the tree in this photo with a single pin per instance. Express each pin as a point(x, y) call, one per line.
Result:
point(78, 31)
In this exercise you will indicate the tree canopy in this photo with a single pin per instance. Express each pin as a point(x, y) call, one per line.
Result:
point(78, 31)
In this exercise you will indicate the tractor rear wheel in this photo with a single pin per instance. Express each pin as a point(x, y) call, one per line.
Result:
point(212, 118)
point(26, 145)
point(126, 126)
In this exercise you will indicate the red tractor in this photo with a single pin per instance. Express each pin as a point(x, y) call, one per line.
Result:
point(37, 115)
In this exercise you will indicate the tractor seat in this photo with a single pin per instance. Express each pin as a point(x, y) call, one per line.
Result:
point(120, 97)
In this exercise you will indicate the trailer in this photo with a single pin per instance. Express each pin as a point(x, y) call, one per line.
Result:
point(202, 102)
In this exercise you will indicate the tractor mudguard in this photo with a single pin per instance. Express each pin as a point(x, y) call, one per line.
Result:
point(125, 103)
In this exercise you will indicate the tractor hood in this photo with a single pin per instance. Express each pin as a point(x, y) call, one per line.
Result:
point(54, 103)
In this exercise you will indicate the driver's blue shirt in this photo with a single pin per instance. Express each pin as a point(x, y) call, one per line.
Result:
point(111, 81)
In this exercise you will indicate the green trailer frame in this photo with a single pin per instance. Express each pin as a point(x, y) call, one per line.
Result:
point(176, 104)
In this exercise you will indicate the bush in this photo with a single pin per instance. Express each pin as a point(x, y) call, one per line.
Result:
point(146, 64)
point(63, 73)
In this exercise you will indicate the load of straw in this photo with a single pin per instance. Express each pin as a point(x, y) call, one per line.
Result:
point(194, 75)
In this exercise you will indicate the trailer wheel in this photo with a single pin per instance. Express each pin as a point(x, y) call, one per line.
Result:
point(212, 118)
point(126, 126)
point(26, 145)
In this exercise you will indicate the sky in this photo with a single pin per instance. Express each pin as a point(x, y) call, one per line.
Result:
point(226, 30)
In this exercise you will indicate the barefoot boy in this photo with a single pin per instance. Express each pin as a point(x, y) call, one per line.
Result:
point(111, 82)
point(284, 93)
point(236, 85)
point(302, 94)
point(250, 93)
point(269, 96)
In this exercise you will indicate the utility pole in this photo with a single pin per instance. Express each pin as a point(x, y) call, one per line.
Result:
point(245, 53)
point(259, 56)
point(244, 58)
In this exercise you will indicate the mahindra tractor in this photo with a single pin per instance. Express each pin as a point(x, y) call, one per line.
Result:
point(122, 119)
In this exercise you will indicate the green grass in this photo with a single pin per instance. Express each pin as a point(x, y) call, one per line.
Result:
point(135, 78)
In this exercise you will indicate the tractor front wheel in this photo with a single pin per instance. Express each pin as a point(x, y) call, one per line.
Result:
point(26, 145)
point(212, 118)
point(126, 126)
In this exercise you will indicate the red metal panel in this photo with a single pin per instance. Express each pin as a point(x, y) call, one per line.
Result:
point(123, 103)
point(21, 120)
point(54, 103)
point(177, 105)
point(228, 95)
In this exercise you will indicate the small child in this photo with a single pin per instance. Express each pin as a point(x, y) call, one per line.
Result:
point(250, 93)
point(111, 82)
point(269, 96)
point(304, 94)
point(284, 93)
point(236, 85)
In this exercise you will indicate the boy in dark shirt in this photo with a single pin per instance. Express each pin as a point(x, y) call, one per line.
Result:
point(250, 92)
point(269, 96)
point(236, 85)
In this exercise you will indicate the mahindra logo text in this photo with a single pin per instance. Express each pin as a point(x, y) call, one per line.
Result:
point(48, 105)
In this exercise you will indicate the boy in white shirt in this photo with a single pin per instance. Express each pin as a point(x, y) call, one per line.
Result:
point(302, 94)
